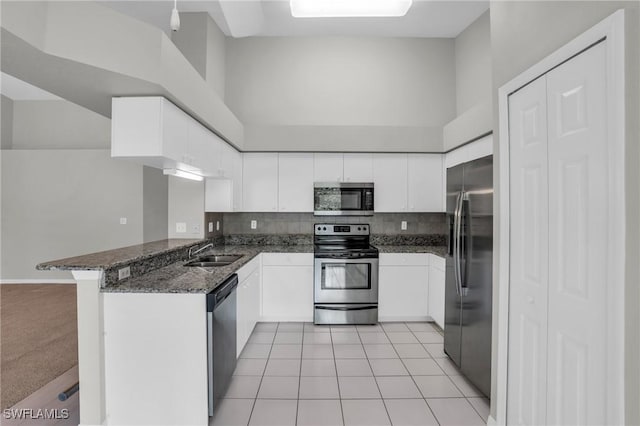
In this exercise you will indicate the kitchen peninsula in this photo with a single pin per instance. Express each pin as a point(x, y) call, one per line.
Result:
point(142, 339)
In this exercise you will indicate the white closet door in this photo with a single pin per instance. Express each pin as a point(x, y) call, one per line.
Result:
point(527, 370)
point(578, 206)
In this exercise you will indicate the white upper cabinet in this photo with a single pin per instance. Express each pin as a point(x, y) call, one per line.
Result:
point(218, 195)
point(227, 155)
point(358, 167)
point(295, 182)
point(148, 127)
point(390, 179)
point(328, 167)
point(260, 182)
point(425, 183)
point(237, 181)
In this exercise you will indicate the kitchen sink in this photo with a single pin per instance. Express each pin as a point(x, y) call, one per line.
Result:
point(212, 261)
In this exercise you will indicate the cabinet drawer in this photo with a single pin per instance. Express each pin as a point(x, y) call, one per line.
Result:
point(437, 262)
point(404, 259)
point(287, 259)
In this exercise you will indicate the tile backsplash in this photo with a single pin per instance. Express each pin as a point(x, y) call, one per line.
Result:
point(302, 223)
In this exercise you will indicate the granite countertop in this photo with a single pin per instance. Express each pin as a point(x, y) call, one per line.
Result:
point(437, 250)
point(177, 278)
point(158, 267)
point(113, 258)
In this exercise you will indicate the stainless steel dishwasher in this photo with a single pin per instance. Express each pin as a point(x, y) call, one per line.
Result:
point(221, 339)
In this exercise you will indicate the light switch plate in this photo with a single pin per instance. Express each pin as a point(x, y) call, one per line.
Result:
point(123, 221)
point(403, 225)
point(254, 224)
point(181, 227)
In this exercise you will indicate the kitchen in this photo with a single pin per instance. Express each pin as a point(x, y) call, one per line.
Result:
point(264, 119)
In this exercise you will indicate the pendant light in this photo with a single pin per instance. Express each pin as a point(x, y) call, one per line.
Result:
point(175, 17)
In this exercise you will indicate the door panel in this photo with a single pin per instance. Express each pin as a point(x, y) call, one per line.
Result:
point(527, 369)
point(452, 302)
point(578, 205)
point(478, 254)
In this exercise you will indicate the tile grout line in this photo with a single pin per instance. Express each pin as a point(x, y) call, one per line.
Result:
point(263, 373)
point(300, 375)
point(411, 375)
point(375, 380)
point(335, 364)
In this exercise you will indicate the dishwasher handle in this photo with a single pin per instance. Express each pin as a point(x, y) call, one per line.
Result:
point(220, 293)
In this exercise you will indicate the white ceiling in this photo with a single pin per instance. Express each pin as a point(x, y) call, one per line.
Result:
point(238, 18)
point(19, 90)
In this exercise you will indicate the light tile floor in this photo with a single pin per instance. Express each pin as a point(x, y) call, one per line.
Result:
point(388, 374)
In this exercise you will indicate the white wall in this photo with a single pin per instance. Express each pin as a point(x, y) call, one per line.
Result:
point(155, 188)
point(473, 64)
point(6, 113)
point(186, 204)
point(61, 203)
point(58, 125)
point(344, 87)
point(203, 44)
point(473, 85)
point(522, 33)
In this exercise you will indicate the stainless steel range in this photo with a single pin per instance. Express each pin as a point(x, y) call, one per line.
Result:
point(345, 275)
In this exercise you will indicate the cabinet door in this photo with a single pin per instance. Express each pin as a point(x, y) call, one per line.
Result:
point(175, 132)
point(295, 182)
point(436, 293)
point(328, 167)
point(287, 293)
point(227, 154)
point(425, 183)
point(260, 182)
point(403, 293)
point(390, 179)
point(202, 153)
point(243, 313)
point(253, 285)
point(237, 181)
point(217, 195)
point(358, 167)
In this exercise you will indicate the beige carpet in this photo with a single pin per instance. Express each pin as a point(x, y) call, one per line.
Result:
point(38, 337)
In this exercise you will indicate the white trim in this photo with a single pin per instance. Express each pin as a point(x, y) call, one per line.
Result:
point(88, 275)
point(612, 28)
point(491, 421)
point(38, 281)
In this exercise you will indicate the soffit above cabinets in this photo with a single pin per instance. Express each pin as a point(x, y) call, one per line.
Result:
point(242, 18)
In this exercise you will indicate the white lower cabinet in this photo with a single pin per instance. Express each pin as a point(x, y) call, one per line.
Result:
point(155, 357)
point(403, 287)
point(287, 287)
point(248, 302)
point(411, 287)
point(436, 289)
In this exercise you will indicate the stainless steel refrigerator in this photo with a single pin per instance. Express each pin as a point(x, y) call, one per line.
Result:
point(467, 331)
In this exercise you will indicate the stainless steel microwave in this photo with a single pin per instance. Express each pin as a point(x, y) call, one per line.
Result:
point(342, 199)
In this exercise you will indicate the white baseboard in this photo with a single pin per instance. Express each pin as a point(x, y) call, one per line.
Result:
point(38, 281)
point(406, 319)
point(491, 421)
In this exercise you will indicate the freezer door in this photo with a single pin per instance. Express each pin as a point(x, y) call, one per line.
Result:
point(475, 355)
point(452, 312)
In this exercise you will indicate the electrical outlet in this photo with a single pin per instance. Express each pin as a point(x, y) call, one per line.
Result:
point(217, 225)
point(124, 273)
point(254, 224)
point(210, 226)
point(123, 221)
point(403, 225)
point(181, 227)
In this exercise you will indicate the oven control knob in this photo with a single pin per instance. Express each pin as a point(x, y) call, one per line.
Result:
point(359, 228)
point(324, 228)
point(319, 228)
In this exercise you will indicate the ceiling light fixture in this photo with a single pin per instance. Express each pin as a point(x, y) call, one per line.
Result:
point(175, 17)
point(348, 8)
point(182, 174)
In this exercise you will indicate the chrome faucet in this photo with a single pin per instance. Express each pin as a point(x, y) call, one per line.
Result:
point(199, 250)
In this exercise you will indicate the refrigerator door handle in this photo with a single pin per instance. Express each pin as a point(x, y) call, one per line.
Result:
point(456, 243)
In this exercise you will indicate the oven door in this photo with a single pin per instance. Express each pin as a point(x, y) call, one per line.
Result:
point(345, 280)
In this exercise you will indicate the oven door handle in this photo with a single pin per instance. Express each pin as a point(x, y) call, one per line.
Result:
point(346, 308)
point(373, 260)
